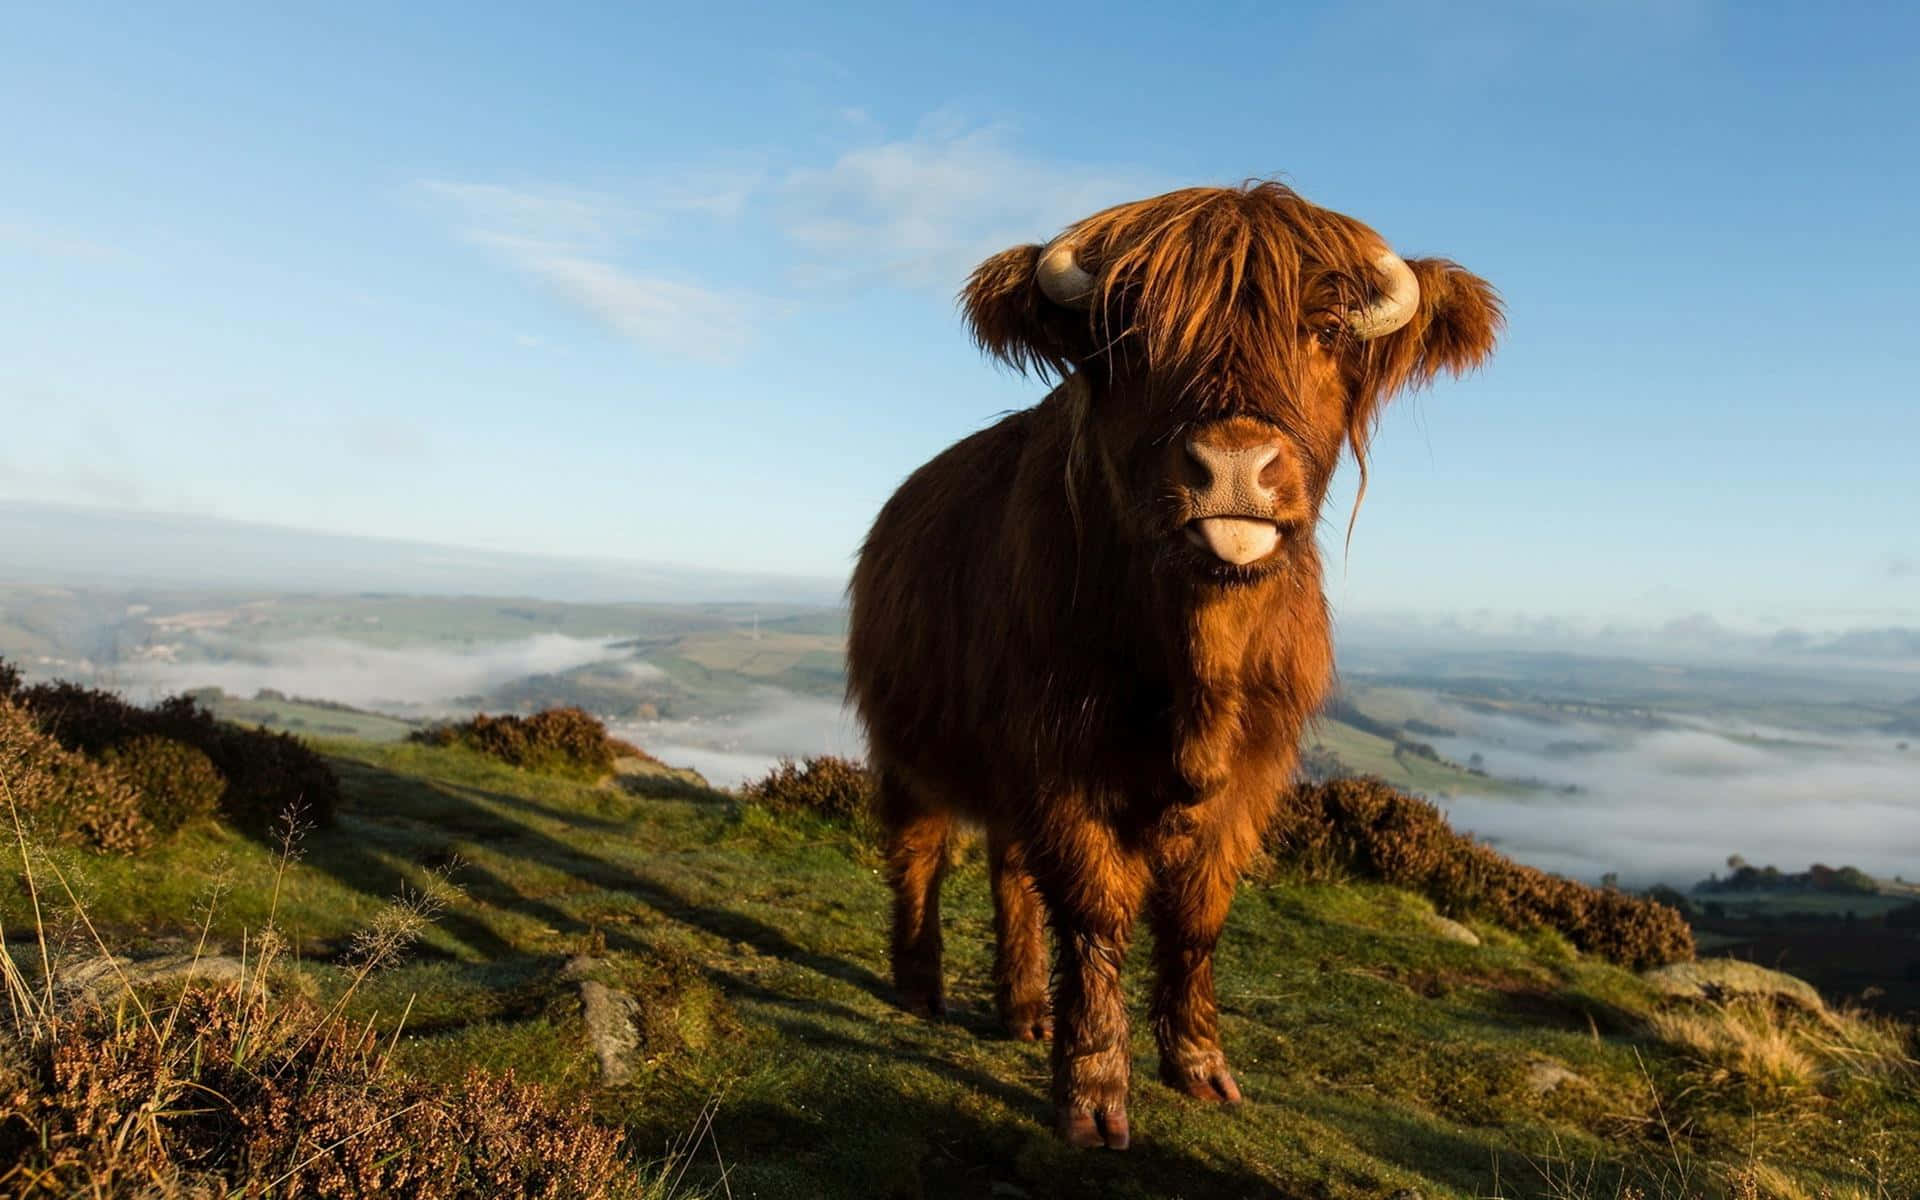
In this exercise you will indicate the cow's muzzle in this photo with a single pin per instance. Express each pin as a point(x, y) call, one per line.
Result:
point(1234, 497)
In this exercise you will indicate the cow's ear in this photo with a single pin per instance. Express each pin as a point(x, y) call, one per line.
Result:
point(1455, 329)
point(1012, 319)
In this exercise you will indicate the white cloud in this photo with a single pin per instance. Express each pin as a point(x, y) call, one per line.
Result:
point(568, 240)
point(660, 313)
point(919, 211)
point(924, 210)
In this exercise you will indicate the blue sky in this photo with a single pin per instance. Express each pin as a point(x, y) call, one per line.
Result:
point(632, 282)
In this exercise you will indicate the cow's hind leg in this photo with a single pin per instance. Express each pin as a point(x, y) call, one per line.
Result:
point(1020, 945)
point(915, 837)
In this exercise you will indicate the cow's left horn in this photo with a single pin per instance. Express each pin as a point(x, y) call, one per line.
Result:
point(1062, 278)
point(1395, 307)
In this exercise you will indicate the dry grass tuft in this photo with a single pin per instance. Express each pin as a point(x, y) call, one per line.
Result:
point(1781, 1049)
point(1745, 1040)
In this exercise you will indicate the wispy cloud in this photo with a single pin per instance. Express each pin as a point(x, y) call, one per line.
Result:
point(923, 210)
point(661, 313)
point(918, 211)
point(570, 240)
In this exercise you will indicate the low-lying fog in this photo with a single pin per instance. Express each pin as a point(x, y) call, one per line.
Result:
point(730, 751)
point(1671, 804)
point(401, 679)
point(1650, 805)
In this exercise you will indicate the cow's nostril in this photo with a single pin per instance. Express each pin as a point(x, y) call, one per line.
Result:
point(1238, 470)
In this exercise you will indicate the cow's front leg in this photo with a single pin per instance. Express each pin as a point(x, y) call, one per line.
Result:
point(1194, 882)
point(1093, 886)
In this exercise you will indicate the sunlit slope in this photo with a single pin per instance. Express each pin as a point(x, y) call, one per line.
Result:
point(1377, 1053)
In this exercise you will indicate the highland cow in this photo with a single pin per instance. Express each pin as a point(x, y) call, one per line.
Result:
point(1096, 628)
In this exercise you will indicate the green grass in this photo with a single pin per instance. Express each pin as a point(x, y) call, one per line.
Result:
point(1365, 753)
point(310, 720)
point(1376, 1056)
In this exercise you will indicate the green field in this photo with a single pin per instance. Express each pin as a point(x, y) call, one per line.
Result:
point(1369, 754)
point(1376, 1054)
point(312, 720)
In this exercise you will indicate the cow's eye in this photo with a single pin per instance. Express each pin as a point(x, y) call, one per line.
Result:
point(1325, 330)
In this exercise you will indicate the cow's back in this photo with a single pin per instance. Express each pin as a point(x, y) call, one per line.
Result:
point(930, 603)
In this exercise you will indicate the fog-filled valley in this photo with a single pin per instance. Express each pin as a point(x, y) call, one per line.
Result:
point(1595, 766)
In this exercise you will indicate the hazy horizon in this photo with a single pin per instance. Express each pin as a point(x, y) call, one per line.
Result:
point(68, 545)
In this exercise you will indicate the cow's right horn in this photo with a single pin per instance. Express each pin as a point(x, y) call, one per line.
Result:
point(1061, 277)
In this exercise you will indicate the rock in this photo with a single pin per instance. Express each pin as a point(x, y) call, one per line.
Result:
point(105, 977)
point(1452, 930)
point(612, 1033)
point(1545, 1075)
point(1717, 980)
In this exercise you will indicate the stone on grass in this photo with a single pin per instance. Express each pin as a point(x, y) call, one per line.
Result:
point(1544, 1075)
point(1452, 930)
point(1718, 980)
point(611, 1016)
point(104, 977)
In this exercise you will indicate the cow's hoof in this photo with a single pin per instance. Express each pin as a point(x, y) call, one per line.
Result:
point(1214, 1086)
point(921, 1003)
point(1028, 1022)
point(1091, 1130)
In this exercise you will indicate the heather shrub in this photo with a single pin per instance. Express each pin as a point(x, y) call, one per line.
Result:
point(1365, 827)
point(64, 797)
point(236, 1094)
point(266, 774)
point(827, 786)
point(567, 741)
point(176, 783)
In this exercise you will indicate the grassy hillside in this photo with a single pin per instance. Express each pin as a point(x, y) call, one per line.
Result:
point(1378, 1053)
point(306, 717)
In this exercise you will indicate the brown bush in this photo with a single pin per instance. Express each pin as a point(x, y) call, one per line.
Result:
point(1366, 827)
point(249, 1098)
point(569, 741)
point(62, 796)
point(827, 786)
point(176, 783)
point(267, 774)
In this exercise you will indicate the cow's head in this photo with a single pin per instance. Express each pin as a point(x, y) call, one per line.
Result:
point(1228, 344)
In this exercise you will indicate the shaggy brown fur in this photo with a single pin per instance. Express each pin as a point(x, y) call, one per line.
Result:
point(1036, 647)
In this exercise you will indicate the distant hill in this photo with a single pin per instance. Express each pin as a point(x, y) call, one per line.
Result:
point(100, 547)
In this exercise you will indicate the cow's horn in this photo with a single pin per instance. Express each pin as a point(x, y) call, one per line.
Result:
point(1396, 305)
point(1061, 278)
